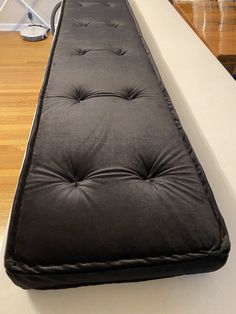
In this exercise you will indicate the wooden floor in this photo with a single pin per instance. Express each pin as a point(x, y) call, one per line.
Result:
point(22, 66)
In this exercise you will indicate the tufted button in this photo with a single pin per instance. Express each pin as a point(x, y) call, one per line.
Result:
point(85, 4)
point(109, 5)
point(119, 51)
point(81, 52)
point(131, 93)
point(149, 177)
point(81, 23)
point(113, 24)
point(79, 94)
point(76, 181)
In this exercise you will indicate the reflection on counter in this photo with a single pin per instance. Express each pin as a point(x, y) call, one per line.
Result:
point(215, 23)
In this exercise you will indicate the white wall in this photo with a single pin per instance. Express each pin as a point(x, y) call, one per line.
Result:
point(13, 15)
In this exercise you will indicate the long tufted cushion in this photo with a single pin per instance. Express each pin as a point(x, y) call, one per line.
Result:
point(110, 189)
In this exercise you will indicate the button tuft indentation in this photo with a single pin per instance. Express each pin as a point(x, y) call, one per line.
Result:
point(119, 51)
point(87, 4)
point(81, 52)
point(79, 94)
point(76, 181)
point(131, 93)
point(113, 24)
point(81, 23)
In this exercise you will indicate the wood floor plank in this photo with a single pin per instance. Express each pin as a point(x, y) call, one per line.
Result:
point(22, 66)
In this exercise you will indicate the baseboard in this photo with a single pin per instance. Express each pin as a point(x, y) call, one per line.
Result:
point(12, 26)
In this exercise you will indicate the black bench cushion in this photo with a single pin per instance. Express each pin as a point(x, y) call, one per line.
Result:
point(110, 188)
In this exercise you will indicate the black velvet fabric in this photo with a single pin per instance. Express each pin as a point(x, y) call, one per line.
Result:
point(110, 189)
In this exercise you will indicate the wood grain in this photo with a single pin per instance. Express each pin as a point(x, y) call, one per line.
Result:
point(22, 66)
point(215, 23)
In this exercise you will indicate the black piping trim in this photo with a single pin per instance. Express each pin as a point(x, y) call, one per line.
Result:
point(105, 265)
